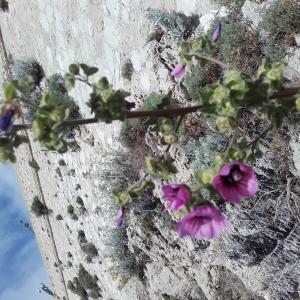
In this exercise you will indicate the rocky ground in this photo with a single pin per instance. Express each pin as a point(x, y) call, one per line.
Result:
point(257, 259)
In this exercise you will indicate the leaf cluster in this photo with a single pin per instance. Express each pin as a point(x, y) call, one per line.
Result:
point(133, 192)
point(107, 104)
point(8, 144)
point(48, 124)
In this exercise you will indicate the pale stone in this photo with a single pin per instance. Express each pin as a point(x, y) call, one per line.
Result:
point(292, 71)
point(83, 4)
point(251, 11)
point(111, 35)
point(187, 6)
point(113, 7)
point(145, 81)
point(295, 147)
point(125, 15)
point(297, 39)
point(136, 60)
point(44, 21)
point(207, 20)
point(49, 55)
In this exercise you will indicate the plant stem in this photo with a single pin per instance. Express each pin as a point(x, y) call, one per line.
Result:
point(286, 92)
point(69, 123)
point(84, 81)
point(234, 135)
point(181, 111)
point(214, 60)
point(163, 112)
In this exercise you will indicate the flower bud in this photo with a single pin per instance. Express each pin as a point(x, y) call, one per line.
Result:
point(229, 110)
point(298, 104)
point(223, 124)
point(170, 139)
point(217, 33)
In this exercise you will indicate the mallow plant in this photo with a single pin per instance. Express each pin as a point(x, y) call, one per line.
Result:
point(230, 178)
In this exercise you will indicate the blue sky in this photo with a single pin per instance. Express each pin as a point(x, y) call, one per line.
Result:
point(21, 267)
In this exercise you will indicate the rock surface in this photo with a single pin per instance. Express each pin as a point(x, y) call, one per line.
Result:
point(257, 259)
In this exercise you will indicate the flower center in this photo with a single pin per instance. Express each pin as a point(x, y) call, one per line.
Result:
point(233, 177)
point(236, 176)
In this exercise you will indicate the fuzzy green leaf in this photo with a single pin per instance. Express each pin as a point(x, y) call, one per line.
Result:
point(10, 92)
point(74, 69)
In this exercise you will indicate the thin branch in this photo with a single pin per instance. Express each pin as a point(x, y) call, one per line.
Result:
point(163, 112)
point(214, 60)
point(84, 81)
point(181, 111)
point(286, 92)
point(234, 135)
point(69, 123)
point(176, 130)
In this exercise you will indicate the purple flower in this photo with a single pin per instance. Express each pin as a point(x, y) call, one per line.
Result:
point(149, 194)
point(179, 71)
point(176, 194)
point(6, 121)
point(60, 81)
point(129, 105)
point(236, 181)
point(217, 33)
point(204, 221)
point(120, 217)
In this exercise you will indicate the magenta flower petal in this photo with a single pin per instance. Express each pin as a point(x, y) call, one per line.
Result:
point(236, 181)
point(179, 71)
point(120, 217)
point(176, 194)
point(217, 33)
point(205, 221)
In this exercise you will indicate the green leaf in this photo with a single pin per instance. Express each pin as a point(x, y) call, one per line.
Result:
point(206, 177)
point(149, 185)
point(116, 191)
point(69, 83)
point(47, 100)
point(124, 198)
point(103, 84)
point(38, 129)
point(10, 92)
point(88, 71)
point(74, 69)
point(185, 46)
point(20, 139)
point(24, 85)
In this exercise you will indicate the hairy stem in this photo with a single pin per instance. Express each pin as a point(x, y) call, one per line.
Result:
point(181, 111)
point(69, 123)
point(163, 112)
point(234, 136)
point(211, 59)
point(286, 92)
